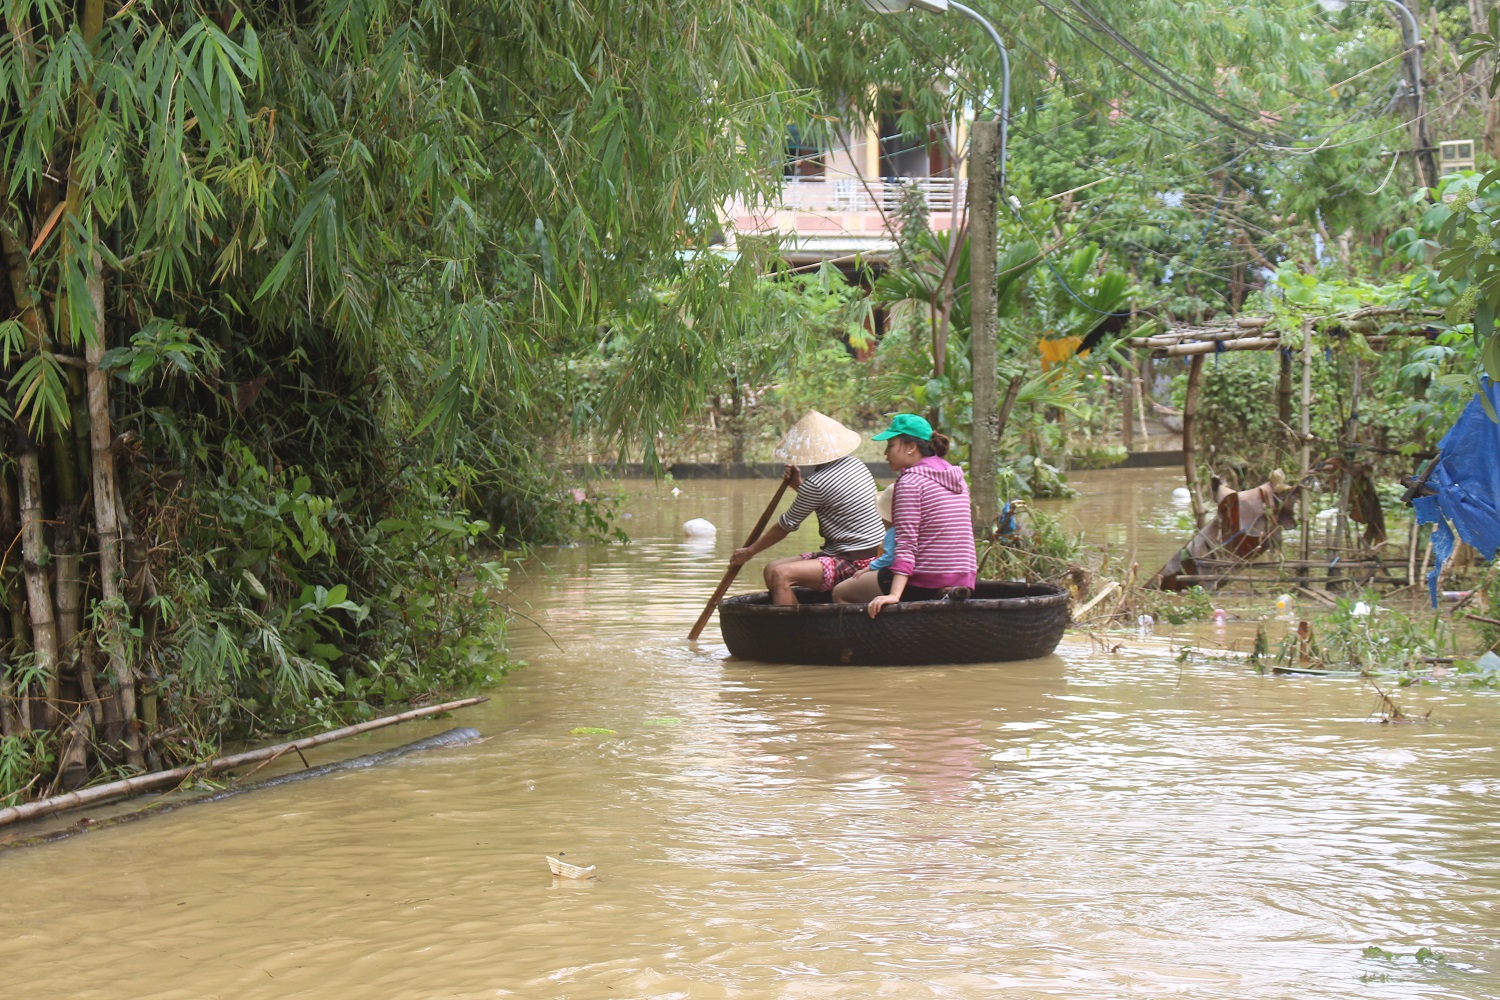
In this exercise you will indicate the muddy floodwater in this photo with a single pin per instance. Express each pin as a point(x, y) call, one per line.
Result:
point(1097, 824)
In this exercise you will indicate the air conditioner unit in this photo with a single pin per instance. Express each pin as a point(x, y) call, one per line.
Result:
point(1455, 155)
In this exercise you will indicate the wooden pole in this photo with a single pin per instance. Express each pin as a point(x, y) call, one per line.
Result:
point(1142, 388)
point(1306, 435)
point(167, 779)
point(984, 449)
point(1189, 416)
point(734, 571)
point(1127, 408)
point(1284, 390)
point(1411, 551)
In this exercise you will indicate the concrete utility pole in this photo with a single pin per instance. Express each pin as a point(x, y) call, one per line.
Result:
point(1425, 165)
point(1427, 172)
point(984, 177)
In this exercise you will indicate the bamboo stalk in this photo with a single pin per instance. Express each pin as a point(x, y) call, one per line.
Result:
point(1212, 347)
point(167, 779)
point(1273, 567)
point(29, 481)
point(1141, 361)
point(1319, 596)
point(13, 621)
point(34, 555)
point(1164, 340)
point(67, 584)
point(1267, 581)
point(70, 464)
point(1109, 589)
point(107, 528)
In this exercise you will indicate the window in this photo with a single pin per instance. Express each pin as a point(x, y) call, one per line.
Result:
point(805, 157)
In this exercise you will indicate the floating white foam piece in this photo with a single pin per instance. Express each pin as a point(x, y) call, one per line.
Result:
point(566, 870)
point(699, 528)
point(676, 492)
point(1361, 609)
point(1181, 495)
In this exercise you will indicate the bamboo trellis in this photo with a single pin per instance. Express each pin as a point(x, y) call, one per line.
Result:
point(1384, 325)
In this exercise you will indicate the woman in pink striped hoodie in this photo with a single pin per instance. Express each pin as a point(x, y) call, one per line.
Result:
point(934, 527)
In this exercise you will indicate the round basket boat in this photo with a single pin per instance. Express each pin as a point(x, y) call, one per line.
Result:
point(1000, 622)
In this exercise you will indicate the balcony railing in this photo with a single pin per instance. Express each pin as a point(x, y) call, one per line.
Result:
point(847, 194)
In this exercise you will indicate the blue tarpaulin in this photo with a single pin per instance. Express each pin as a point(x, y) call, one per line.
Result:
point(1466, 478)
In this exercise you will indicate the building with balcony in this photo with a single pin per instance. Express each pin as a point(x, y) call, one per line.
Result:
point(839, 200)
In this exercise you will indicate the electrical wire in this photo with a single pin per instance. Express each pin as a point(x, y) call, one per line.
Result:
point(1170, 84)
point(1388, 174)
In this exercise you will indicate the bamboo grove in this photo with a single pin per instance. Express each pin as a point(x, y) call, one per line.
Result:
point(286, 286)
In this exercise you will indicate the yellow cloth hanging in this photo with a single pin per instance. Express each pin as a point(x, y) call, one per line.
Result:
point(1055, 352)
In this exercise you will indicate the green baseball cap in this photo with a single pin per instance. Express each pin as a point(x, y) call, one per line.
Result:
point(909, 424)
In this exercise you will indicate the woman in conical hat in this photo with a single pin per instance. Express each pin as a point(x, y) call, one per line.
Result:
point(832, 483)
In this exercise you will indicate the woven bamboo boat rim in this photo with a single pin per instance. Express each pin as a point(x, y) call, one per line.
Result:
point(1038, 601)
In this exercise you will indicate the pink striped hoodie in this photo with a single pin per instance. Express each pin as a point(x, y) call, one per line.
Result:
point(934, 529)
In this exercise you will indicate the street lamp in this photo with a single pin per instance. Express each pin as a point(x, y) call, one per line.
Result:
point(942, 7)
point(1414, 66)
point(986, 181)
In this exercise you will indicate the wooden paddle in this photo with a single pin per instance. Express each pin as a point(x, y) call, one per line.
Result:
point(734, 571)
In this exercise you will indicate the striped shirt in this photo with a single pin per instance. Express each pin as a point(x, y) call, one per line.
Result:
point(842, 494)
point(934, 528)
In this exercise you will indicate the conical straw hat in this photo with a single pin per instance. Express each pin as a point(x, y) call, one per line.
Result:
point(816, 439)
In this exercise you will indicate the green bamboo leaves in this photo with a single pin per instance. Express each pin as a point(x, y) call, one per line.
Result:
point(39, 392)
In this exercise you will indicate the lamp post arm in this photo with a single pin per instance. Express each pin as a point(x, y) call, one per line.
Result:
point(1416, 48)
point(1003, 115)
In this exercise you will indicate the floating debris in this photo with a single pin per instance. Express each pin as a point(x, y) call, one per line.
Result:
point(564, 869)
